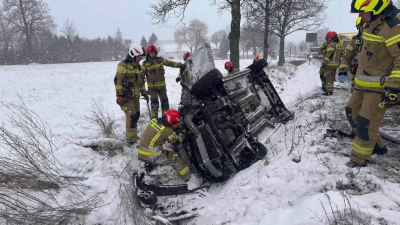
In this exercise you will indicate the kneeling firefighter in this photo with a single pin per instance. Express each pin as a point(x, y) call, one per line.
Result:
point(158, 132)
point(377, 74)
point(129, 84)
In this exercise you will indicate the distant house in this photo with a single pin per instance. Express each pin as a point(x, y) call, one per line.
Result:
point(169, 49)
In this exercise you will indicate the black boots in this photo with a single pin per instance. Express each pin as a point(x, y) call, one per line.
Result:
point(380, 151)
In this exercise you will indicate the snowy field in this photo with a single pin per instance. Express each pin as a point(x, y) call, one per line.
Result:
point(303, 179)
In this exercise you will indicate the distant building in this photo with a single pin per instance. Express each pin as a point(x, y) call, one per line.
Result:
point(169, 49)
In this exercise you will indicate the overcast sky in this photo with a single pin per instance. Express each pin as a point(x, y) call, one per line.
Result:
point(100, 18)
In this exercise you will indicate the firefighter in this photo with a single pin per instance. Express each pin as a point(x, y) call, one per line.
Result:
point(154, 70)
point(229, 67)
point(349, 57)
point(330, 62)
point(183, 74)
point(158, 132)
point(378, 67)
point(321, 52)
point(129, 84)
point(256, 58)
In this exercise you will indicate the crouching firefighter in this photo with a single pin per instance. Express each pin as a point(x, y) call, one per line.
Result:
point(154, 70)
point(158, 132)
point(334, 52)
point(378, 69)
point(129, 84)
point(349, 58)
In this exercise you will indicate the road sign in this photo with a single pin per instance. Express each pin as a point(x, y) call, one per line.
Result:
point(311, 37)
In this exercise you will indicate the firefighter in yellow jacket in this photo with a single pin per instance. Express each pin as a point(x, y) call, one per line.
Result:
point(129, 84)
point(378, 67)
point(321, 52)
point(154, 70)
point(158, 132)
point(349, 60)
point(333, 53)
point(184, 74)
point(229, 67)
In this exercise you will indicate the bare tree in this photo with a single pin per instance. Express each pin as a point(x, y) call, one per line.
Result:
point(295, 15)
point(321, 33)
point(5, 30)
point(165, 9)
point(261, 12)
point(251, 37)
point(68, 29)
point(217, 37)
point(244, 46)
point(183, 38)
point(28, 17)
point(273, 43)
point(192, 36)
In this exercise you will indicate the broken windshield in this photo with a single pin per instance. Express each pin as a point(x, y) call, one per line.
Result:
point(200, 63)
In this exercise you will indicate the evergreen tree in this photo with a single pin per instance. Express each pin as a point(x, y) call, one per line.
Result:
point(143, 42)
point(118, 36)
point(152, 39)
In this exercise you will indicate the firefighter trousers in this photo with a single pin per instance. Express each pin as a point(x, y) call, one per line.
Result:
point(365, 117)
point(155, 94)
point(169, 158)
point(329, 79)
point(322, 76)
point(132, 113)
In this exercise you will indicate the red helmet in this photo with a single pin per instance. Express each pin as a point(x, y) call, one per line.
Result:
point(151, 48)
point(187, 54)
point(172, 117)
point(332, 34)
point(327, 35)
point(228, 64)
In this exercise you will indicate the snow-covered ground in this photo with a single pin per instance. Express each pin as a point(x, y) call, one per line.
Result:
point(302, 180)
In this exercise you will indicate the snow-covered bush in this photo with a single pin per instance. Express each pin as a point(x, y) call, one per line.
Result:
point(104, 121)
point(30, 175)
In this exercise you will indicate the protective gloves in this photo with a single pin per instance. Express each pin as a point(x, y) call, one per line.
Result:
point(342, 76)
point(121, 100)
point(182, 68)
point(178, 79)
point(390, 98)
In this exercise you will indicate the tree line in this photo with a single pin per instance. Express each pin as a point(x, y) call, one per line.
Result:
point(28, 35)
point(263, 19)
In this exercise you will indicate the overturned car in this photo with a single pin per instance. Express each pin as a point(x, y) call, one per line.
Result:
point(223, 116)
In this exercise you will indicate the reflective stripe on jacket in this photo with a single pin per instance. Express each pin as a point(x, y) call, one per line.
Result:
point(154, 70)
point(333, 54)
point(155, 135)
point(380, 54)
point(129, 75)
point(349, 57)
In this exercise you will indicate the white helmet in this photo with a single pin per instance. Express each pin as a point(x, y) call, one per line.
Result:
point(136, 50)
